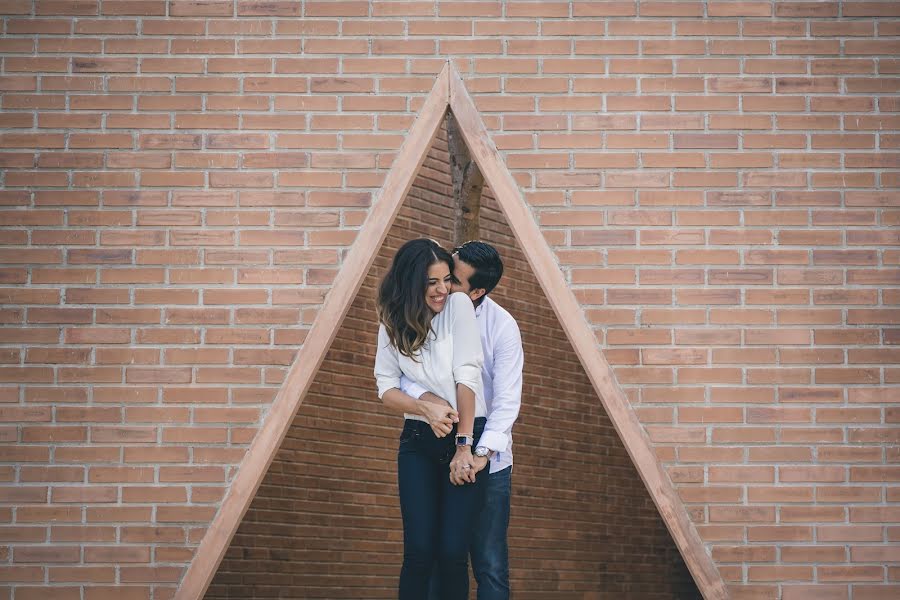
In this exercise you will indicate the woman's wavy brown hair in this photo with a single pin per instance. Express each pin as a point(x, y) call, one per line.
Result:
point(401, 296)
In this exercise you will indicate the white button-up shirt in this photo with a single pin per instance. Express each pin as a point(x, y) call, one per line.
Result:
point(501, 343)
point(450, 355)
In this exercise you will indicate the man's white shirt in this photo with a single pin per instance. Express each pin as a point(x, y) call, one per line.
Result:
point(501, 343)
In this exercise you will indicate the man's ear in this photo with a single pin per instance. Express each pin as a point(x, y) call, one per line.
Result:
point(477, 293)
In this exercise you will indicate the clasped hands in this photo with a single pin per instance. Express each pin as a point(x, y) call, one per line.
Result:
point(441, 417)
point(465, 466)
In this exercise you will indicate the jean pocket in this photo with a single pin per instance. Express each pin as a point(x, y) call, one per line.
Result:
point(447, 449)
point(408, 434)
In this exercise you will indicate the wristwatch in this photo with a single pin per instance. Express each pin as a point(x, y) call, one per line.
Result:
point(482, 451)
point(463, 439)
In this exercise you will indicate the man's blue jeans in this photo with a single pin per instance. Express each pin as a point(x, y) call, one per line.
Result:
point(489, 550)
point(490, 554)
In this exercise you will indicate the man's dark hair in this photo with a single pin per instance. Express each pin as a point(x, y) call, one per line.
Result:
point(485, 259)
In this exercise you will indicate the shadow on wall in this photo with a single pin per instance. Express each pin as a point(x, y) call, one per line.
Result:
point(326, 521)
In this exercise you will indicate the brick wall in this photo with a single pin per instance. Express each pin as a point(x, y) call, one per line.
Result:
point(583, 523)
point(181, 181)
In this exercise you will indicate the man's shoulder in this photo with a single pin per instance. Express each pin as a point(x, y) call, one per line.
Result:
point(499, 315)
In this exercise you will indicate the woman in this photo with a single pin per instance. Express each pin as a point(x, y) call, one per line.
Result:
point(430, 335)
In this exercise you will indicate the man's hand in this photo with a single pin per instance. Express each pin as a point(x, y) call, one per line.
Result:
point(479, 463)
point(462, 470)
point(441, 417)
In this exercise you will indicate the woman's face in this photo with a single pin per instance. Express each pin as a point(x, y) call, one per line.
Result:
point(438, 288)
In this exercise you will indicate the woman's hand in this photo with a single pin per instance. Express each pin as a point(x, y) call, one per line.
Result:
point(441, 416)
point(462, 470)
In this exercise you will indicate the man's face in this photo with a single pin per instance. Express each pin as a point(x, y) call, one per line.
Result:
point(461, 272)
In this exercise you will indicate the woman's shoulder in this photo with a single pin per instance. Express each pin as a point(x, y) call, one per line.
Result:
point(460, 301)
point(458, 304)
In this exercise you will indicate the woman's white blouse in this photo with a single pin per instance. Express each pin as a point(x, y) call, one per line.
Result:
point(451, 355)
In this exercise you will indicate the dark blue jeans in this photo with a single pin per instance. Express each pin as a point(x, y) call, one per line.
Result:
point(438, 517)
point(490, 554)
point(489, 550)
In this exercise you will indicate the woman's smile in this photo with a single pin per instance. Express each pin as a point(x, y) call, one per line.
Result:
point(436, 302)
point(439, 282)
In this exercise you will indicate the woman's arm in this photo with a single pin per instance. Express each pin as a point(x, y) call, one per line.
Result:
point(467, 363)
point(412, 388)
point(388, 373)
point(440, 415)
point(465, 405)
point(462, 467)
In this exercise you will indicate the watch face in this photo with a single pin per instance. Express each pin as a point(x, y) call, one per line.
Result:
point(481, 451)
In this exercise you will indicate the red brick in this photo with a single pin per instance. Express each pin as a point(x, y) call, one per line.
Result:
point(788, 533)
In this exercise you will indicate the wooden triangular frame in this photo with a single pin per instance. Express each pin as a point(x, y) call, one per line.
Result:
point(449, 93)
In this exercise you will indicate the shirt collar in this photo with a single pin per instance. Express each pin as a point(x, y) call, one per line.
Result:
point(480, 308)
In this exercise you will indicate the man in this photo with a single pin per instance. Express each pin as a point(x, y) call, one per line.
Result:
point(477, 270)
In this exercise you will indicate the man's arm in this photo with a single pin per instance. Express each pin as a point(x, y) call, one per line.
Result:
point(508, 362)
point(411, 388)
point(414, 390)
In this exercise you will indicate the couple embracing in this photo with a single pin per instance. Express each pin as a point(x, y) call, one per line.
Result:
point(450, 359)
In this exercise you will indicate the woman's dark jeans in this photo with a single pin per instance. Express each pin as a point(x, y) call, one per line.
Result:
point(438, 517)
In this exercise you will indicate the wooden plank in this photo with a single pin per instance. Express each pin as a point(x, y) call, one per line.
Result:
point(308, 360)
point(571, 317)
point(467, 185)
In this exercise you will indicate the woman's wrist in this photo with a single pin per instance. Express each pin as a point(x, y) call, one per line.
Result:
point(466, 423)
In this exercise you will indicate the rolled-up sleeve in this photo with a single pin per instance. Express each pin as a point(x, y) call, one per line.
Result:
point(387, 363)
point(468, 358)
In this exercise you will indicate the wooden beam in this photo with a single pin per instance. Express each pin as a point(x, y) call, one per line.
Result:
point(571, 317)
point(468, 183)
point(309, 358)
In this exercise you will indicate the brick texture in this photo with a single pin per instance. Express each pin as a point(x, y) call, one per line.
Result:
point(181, 181)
